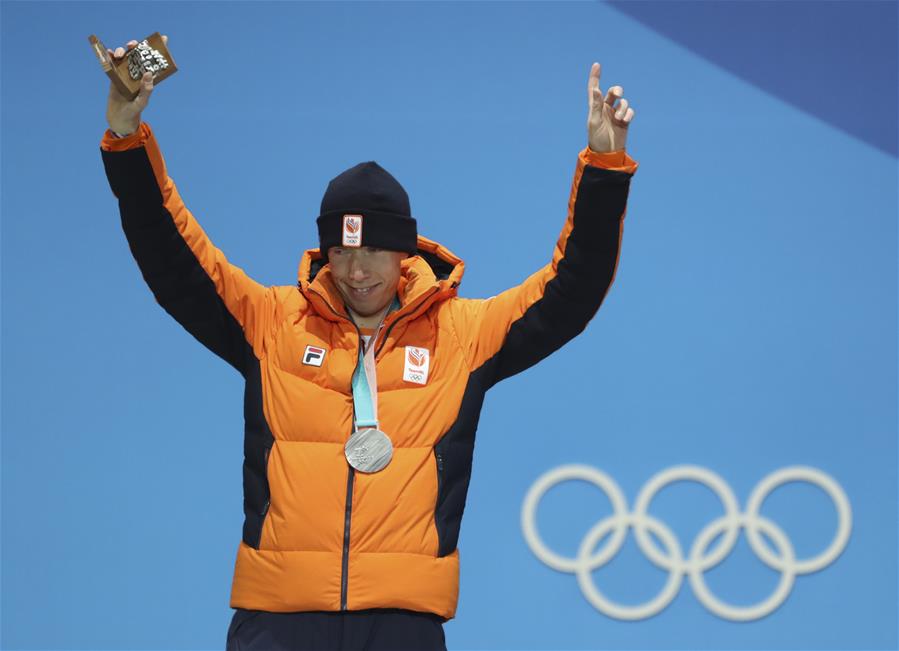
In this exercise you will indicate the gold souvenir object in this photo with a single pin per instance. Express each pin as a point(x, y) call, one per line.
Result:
point(151, 55)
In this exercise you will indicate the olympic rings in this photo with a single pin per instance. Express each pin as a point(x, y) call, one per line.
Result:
point(672, 558)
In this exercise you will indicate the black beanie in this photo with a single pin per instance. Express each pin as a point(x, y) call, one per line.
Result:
point(366, 206)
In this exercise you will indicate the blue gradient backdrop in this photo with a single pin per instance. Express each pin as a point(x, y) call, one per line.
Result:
point(752, 323)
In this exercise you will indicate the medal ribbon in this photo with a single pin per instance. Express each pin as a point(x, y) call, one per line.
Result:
point(365, 401)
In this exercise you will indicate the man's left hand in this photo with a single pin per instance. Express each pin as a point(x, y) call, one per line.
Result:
point(606, 123)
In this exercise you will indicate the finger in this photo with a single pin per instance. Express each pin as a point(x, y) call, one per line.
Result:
point(165, 39)
point(615, 92)
point(621, 110)
point(119, 52)
point(131, 44)
point(629, 116)
point(595, 71)
point(593, 85)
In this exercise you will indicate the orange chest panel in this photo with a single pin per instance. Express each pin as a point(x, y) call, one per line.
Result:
point(308, 371)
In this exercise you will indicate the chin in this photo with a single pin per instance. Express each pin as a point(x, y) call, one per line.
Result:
point(370, 307)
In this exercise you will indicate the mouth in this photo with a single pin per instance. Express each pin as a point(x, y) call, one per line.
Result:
point(362, 292)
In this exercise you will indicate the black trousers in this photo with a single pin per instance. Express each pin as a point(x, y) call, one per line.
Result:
point(353, 630)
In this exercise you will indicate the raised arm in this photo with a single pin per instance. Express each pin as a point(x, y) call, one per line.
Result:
point(512, 331)
point(214, 300)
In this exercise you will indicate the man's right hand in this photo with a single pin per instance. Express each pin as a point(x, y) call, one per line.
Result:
point(122, 114)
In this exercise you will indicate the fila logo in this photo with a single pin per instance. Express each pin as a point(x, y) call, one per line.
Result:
point(314, 356)
point(417, 363)
point(352, 231)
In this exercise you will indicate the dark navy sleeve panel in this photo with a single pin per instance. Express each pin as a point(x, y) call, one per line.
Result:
point(191, 279)
point(519, 327)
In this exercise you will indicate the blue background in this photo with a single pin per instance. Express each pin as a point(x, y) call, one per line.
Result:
point(752, 323)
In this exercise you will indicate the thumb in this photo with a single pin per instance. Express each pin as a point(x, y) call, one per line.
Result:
point(146, 87)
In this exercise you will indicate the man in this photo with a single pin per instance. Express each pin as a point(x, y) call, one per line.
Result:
point(364, 381)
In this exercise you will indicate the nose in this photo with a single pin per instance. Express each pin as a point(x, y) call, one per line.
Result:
point(357, 269)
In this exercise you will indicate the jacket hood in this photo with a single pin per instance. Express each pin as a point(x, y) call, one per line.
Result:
point(432, 274)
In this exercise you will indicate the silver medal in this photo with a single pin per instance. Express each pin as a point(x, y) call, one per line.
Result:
point(369, 450)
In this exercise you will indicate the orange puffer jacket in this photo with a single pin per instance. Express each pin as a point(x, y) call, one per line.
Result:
point(317, 535)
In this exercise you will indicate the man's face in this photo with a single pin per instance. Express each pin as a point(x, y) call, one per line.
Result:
point(366, 277)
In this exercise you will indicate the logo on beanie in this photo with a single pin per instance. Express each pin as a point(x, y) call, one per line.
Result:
point(352, 230)
point(418, 361)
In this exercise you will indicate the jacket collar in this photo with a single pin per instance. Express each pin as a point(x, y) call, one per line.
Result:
point(432, 275)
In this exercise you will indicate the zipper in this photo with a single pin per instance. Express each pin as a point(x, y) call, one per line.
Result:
point(336, 313)
point(268, 501)
point(345, 561)
point(348, 507)
point(439, 458)
point(409, 313)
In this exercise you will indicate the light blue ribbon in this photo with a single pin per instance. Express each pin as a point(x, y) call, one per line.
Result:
point(362, 402)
